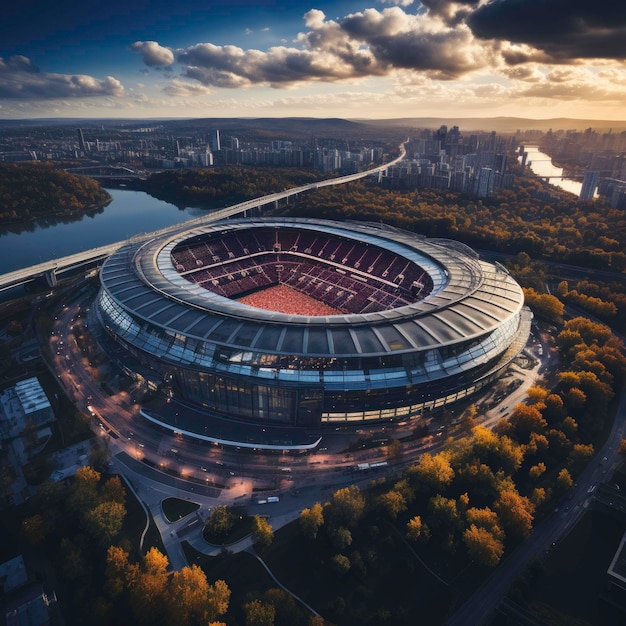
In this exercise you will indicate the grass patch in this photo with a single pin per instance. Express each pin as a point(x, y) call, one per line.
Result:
point(175, 509)
point(385, 582)
point(244, 575)
point(571, 583)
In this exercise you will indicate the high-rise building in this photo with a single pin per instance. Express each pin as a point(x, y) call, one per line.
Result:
point(215, 141)
point(81, 140)
point(590, 182)
point(485, 182)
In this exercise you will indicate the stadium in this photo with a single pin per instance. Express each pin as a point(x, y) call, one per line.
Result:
point(311, 323)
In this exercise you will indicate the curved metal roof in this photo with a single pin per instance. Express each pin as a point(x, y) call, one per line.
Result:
point(470, 298)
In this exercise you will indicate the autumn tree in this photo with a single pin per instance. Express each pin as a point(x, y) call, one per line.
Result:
point(340, 537)
point(483, 546)
point(311, 520)
point(259, 613)
point(564, 480)
point(191, 600)
point(444, 512)
point(119, 572)
point(262, 532)
point(35, 530)
point(347, 506)
point(414, 528)
point(515, 512)
point(220, 521)
point(84, 491)
point(432, 472)
point(341, 564)
point(536, 471)
point(148, 591)
point(392, 503)
point(580, 455)
point(113, 490)
point(525, 420)
point(545, 306)
point(104, 521)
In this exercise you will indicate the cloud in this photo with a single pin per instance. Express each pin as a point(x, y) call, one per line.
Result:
point(563, 29)
point(20, 79)
point(451, 11)
point(369, 43)
point(180, 88)
point(401, 3)
point(154, 55)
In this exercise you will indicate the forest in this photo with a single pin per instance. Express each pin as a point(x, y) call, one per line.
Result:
point(522, 218)
point(29, 191)
point(216, 188)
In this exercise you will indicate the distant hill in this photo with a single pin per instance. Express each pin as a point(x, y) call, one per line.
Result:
point(338, 127)
point(502, 124)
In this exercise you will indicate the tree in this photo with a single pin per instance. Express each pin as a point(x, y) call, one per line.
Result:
point(483, 546)
point(113, 490)
point(515, 512)
point(262, 532)
point(118, 571)
point(104, 521)
point(259, 613)
point(341, 537)
point(546, 306)
point(392, 503)
point(148, 592)
point(189, 598)
point(580, 454)
point(536, 471)
point(432, 472)
point(220, 521)
point(347, 506)
point(444, 512)
point(564, 480)
point(485, 518)
point(414, 528)
point(84, 491)
point(341, 564)
point(311, 520)
point(219, 597)
point(524, 420)
point(35, 530)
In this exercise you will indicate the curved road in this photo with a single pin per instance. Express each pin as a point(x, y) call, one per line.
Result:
point(480, 607)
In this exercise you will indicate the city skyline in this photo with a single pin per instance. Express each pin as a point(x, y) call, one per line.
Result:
point(353, 59)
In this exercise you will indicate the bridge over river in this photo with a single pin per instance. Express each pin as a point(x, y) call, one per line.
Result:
point(50, 269)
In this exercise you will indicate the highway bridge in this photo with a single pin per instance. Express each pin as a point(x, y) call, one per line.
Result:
point(50, 269)
point(118, 172)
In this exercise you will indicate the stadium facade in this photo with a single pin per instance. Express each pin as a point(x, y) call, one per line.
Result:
point(416, 323)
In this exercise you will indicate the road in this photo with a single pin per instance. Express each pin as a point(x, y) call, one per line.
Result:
point(212, 475)
point(481, 606)
point(21, 276)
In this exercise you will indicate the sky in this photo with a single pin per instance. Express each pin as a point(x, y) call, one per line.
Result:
point(352, 59)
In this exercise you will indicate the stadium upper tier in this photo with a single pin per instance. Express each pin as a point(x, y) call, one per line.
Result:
point(420, 322)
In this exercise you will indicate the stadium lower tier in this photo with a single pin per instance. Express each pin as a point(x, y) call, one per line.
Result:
point(260, 366)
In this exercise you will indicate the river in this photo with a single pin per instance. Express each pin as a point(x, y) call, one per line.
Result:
point(134, 212)
point(541, 164)
point(129, 213)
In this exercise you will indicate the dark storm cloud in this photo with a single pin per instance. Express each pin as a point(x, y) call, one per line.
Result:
point(449, 10)
point(563, 29)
